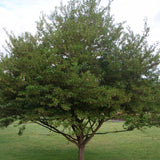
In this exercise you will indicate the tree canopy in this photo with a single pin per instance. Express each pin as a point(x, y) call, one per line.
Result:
point(79, 70)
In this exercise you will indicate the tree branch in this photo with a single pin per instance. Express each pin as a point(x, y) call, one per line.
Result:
point(112, 132)
point(91, 125)
point(86, 124)
point(45, 126)
point(53, 129)
point(93, 133)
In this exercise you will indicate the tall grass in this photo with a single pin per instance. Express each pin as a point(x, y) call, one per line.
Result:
point(37, 143)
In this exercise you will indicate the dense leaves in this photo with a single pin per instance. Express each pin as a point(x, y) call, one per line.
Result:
point(79, 70)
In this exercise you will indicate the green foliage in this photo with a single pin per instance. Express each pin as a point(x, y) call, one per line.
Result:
point(21, 129)
point(5, 122)
point(79, 70)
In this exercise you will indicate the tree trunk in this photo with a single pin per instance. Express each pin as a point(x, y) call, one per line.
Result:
point(81, 152)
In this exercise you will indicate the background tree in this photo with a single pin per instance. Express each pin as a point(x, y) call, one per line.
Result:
point(79, 70)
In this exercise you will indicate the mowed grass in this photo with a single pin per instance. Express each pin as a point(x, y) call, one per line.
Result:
point(38, 143)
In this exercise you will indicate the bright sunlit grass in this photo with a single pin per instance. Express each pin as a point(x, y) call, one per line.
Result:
point(38, 143)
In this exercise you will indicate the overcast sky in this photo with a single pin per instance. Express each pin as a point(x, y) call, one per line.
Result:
point(20, 15)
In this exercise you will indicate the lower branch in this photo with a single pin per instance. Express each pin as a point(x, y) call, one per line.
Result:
point(93, 133)
point(53, 129)
point(113, 132)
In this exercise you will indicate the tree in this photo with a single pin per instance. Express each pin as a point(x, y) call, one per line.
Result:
point(79, 70)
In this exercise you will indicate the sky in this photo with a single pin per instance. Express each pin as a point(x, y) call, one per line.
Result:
point(20, 15)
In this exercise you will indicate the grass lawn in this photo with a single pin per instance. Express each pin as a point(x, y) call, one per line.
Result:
point(38, 143)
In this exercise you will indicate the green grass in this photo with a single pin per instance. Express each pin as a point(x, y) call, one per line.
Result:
point(39, 144)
